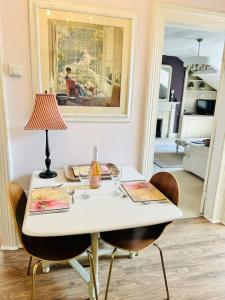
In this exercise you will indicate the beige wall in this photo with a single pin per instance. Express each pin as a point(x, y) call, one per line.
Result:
point(119, 143)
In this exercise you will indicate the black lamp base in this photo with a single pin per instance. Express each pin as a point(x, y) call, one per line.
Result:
point(47, 174)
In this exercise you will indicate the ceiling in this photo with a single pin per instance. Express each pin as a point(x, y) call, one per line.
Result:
point(181, 42)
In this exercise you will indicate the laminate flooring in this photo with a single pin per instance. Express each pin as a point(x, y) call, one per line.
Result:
point(194, 254)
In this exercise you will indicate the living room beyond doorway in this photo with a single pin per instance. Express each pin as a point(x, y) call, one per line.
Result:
point(168, 157)
point(185, 109)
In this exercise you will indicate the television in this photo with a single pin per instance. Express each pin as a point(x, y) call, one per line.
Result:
point(205, 107)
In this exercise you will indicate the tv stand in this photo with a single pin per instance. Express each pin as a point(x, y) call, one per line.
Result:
point(195, 125)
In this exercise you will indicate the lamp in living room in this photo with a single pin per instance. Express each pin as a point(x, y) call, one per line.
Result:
point(46, 116)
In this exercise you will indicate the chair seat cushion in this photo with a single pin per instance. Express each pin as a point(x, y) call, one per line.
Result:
point(57, 248)
point(133, 238)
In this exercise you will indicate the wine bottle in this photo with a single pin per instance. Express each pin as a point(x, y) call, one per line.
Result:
point(95, 171)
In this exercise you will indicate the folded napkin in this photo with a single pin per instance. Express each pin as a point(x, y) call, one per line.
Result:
point(105, 170)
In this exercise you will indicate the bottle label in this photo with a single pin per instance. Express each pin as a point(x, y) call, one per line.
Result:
point(95, 175)
point(95, 181)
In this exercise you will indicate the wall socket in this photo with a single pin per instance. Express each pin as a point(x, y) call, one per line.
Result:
point(15, 70)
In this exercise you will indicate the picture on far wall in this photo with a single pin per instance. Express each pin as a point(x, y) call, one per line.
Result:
point(86, 63)
point(85, 60)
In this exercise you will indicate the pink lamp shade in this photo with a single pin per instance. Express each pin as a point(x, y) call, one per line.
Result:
point(46, 114)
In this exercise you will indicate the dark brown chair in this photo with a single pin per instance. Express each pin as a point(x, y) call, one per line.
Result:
point(60, 248)
point(135, 239)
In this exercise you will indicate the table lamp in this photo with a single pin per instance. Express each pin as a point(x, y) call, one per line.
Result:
point(46, 116)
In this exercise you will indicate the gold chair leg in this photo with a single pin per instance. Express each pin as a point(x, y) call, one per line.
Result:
point(29, 265)
point(164, 271)
point(34, 276)
point(110, 272)
point(92, 268)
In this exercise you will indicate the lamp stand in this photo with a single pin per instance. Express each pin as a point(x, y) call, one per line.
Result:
point(48, 173)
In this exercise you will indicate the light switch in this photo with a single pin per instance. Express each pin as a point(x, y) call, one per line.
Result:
point(15, 70)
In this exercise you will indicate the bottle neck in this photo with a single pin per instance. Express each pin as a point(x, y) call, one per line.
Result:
point(95, 154)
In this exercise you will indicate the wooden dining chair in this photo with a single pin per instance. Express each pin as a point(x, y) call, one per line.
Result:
point(60, 248)
point(136, 239)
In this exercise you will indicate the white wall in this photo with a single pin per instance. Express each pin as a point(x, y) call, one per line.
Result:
point(119, 143)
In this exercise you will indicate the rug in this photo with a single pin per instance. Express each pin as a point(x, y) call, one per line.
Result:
point(168, 160)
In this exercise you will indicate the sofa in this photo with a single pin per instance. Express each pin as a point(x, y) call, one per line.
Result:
point(195, 159)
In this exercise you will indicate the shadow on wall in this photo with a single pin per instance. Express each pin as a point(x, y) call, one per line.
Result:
point(24, 181)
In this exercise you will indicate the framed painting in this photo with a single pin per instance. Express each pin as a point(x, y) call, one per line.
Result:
point(85, 57)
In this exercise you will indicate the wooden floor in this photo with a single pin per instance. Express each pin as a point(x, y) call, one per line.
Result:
point(194, 252)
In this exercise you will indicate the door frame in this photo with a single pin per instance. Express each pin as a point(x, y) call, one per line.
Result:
point(8, 232)
point(196, 18)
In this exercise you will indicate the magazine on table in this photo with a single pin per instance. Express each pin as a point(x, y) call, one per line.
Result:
point(143, 191)
point(49, 200)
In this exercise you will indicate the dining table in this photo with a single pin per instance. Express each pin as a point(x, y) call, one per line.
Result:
point(104, 210)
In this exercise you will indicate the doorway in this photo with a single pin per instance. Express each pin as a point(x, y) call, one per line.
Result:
point(191, 20)
point(182, 147)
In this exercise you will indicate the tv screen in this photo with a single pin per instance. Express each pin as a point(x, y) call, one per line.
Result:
point(205, 107)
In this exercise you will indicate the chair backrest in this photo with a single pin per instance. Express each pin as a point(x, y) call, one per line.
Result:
point(140, 237)
point(18, 200)
point(168, 185)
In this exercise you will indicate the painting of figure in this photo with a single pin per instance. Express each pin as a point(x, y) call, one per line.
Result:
point(85, 63)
